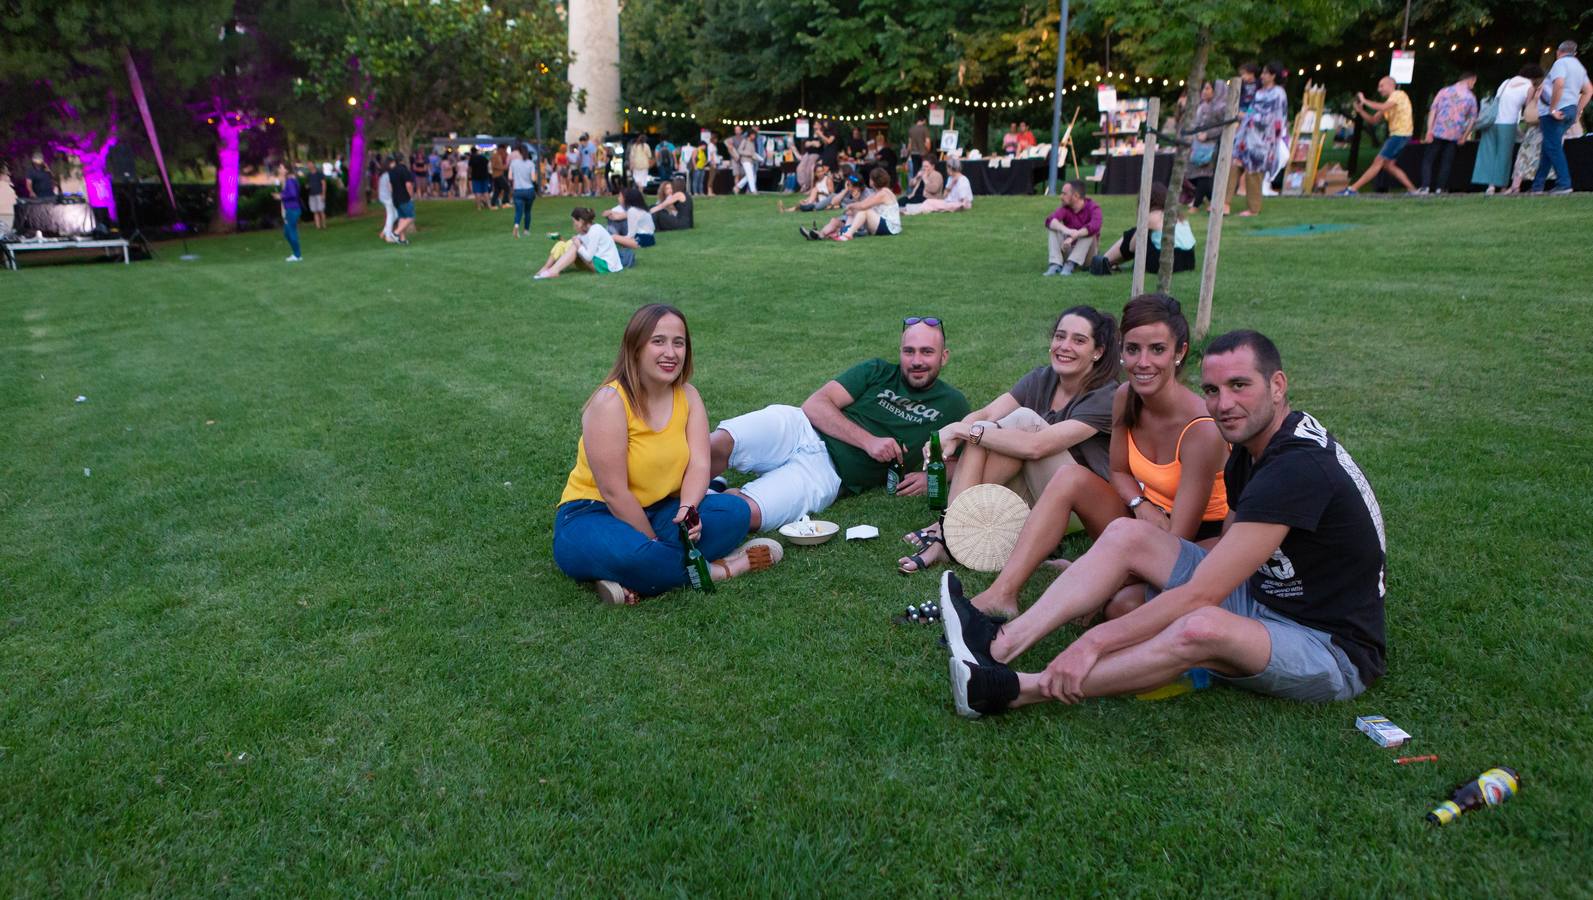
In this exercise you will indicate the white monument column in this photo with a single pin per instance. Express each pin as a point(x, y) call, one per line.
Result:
point(594, 44)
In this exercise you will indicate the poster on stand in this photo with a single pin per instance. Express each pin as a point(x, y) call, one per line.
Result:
point(802, 130)
point(948, 141)
point(1403, 66)
point(937, 115)
point(1106, 97)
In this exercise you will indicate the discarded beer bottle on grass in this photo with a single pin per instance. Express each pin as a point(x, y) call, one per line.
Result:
point(935, 475)
point(697, 572)
point(1491, 788)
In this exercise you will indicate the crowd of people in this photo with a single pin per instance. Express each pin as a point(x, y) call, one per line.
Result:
point(1233, 536)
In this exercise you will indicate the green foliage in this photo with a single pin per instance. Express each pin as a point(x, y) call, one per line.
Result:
point(435, 65)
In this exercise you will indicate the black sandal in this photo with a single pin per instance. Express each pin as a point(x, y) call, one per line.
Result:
point(917, 559)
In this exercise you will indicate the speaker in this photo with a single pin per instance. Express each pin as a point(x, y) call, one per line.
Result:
point(122, 163)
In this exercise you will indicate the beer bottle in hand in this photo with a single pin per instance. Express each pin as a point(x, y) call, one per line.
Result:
point(697, 573)
point(895, 472)
point(935, 475)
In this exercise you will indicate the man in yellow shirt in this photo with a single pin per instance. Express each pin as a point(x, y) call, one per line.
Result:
point(1395, 110)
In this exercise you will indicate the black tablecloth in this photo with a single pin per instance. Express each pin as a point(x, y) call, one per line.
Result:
point(1123, 173)
point(53, 218)
point(1017, 177)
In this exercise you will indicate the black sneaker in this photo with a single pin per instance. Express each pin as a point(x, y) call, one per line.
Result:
point(968, 631)
point(718, 484)
point(808, 233)
point(982, 690)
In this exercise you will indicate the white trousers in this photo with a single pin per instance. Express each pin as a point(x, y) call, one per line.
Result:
point(749, 176)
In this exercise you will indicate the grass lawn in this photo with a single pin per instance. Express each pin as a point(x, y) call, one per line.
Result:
point(278, 613)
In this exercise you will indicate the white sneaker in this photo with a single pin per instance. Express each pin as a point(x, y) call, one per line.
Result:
point(540, 276)
point(295, 259)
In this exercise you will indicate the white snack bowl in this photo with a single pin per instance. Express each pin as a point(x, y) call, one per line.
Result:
point(809, 531)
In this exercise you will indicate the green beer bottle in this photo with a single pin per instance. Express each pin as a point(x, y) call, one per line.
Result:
point(935, 475)
point(697, 573)
point(895, 473)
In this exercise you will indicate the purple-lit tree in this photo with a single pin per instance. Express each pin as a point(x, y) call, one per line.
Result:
point(230, 123)
point(91, 147)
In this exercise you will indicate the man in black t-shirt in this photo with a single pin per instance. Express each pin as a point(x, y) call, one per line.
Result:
point(315, 195)
point(1289, 602)
point(40, 182)
point(400, 178)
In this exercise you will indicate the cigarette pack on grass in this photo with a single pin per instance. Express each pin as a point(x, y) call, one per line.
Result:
point(1381, 730)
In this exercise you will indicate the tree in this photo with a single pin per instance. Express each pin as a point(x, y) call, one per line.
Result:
point(1158, 38)
point(399, 62)
point(62, 79)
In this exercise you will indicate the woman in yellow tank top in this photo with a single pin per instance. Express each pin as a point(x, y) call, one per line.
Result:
point(1166, 459)
point(641, 470)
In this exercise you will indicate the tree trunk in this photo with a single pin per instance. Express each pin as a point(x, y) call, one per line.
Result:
point(1175, 179)
point(357, 168)
point(226, 174)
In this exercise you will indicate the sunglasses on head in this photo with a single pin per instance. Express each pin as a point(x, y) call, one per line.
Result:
point(931, 321)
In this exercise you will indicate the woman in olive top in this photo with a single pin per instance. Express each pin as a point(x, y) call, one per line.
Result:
point(641, 469)
point(1057, 415)
point(1167, 459)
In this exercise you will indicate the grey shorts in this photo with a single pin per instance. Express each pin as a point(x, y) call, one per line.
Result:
point(317, 203)
point(1305, 665)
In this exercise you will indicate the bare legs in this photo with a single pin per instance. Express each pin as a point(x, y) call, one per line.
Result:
point(1073, 489)
point(1381, 164)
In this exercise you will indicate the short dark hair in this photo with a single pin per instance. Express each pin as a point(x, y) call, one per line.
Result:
point(1531, 72)
point(633, 197)
point(1250, 67)
point(1278, 70)
point(879, 178)
point(1268, 360)
point(1077, 184)
point(583, 214)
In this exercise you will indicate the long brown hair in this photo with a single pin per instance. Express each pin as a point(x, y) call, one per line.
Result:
point(1103, 330)
point(1150, 309)
point(637, 333)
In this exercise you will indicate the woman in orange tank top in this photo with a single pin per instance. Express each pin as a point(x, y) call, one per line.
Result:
point(641, 471)
point(1166, 459)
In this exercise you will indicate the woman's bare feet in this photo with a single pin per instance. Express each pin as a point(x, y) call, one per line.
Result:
point(933, 553)
point(992, 603)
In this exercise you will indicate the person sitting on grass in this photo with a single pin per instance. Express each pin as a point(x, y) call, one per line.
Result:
point(876, 214)
point(641, 471)
point(1057, 416)
point(845, 435)
point(673, 211)
point(956, 194)
point(1395, 110)
point(1165, 465)
point(818, 195)
point(927, 182)
point(591, 248)
point(1122, 250)
point(633, 223)
point(1072, 230)
point(1289, 602)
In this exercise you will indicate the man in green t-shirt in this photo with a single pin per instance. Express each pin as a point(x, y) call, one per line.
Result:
point(846, 434)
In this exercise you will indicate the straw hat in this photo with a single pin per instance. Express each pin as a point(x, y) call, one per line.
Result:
point(982, 526)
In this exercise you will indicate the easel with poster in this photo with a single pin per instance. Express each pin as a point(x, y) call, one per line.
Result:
point(1305, 143)
point(1066, 152)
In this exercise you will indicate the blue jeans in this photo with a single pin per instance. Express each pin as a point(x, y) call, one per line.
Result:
point(522, 205)
point(1554, 149)
point(290, 229)
point(699, 180)
point(590, 544)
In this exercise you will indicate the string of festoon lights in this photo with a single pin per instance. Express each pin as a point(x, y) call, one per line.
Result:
point(1111, 77)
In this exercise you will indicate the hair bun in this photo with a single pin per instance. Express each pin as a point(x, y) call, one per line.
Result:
point(1172, 304)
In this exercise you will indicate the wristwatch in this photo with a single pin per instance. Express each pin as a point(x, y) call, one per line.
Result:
point(1134, 503)
point(975, 434)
